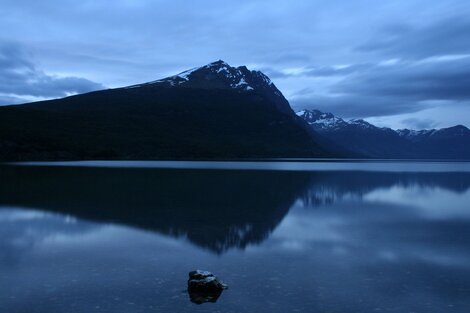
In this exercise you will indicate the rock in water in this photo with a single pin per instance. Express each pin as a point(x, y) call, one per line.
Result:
point(203, 286)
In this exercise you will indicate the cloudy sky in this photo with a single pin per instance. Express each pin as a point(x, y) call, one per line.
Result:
point(395, 63)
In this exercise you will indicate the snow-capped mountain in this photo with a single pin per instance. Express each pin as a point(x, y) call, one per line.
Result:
point(220, 75)
point(405, 132)
point(368, 140)
point(458, 131)
point(415, 135)
point(320, 120)
point(215, 111)
point(327, 121)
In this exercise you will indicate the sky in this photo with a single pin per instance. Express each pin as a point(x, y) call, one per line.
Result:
point(394, 63)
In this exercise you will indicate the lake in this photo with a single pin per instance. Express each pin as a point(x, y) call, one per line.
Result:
point(285, 236)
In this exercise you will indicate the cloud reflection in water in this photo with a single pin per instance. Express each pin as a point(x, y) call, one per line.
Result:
point(312, 241)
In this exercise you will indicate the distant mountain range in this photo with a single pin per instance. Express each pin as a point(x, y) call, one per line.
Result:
point(211, 112)
point(362, 138)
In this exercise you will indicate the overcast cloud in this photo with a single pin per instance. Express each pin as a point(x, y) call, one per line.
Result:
point(395, 63)
point(19, 77)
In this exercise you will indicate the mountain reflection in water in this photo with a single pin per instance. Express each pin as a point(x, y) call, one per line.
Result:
point(217, 209)
point(123, 239)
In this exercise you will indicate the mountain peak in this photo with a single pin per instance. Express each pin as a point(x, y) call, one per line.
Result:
point(361, 123)
point(321, 120)
point(412, 133)
point(327, 121)
point(219, 75)
point(219, 62)
point(460, 127)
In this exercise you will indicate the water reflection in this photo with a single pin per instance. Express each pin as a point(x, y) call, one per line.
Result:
point(217, 210)
point(120, 240)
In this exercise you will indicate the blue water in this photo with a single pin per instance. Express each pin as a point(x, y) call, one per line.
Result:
point(285, 236)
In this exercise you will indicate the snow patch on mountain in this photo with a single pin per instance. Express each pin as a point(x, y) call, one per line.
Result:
point(361, 123)
point(414, 133)
point(241, 83)
point(239, 78)
point(185, 75)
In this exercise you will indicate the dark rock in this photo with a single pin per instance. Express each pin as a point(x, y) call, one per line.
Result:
point(203, 286)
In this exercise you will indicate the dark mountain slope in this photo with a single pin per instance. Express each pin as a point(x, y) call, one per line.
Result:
point(213, 112)
point(446, 143)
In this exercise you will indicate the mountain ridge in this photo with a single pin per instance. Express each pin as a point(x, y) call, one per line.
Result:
point(211, 112)
point(220, 75)
point(382, 142)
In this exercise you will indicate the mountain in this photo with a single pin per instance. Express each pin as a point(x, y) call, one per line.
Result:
point(368, 140)
point(212, 112)
point(445, 143)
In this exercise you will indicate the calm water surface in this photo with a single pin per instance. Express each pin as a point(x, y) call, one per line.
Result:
point(286, 237)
